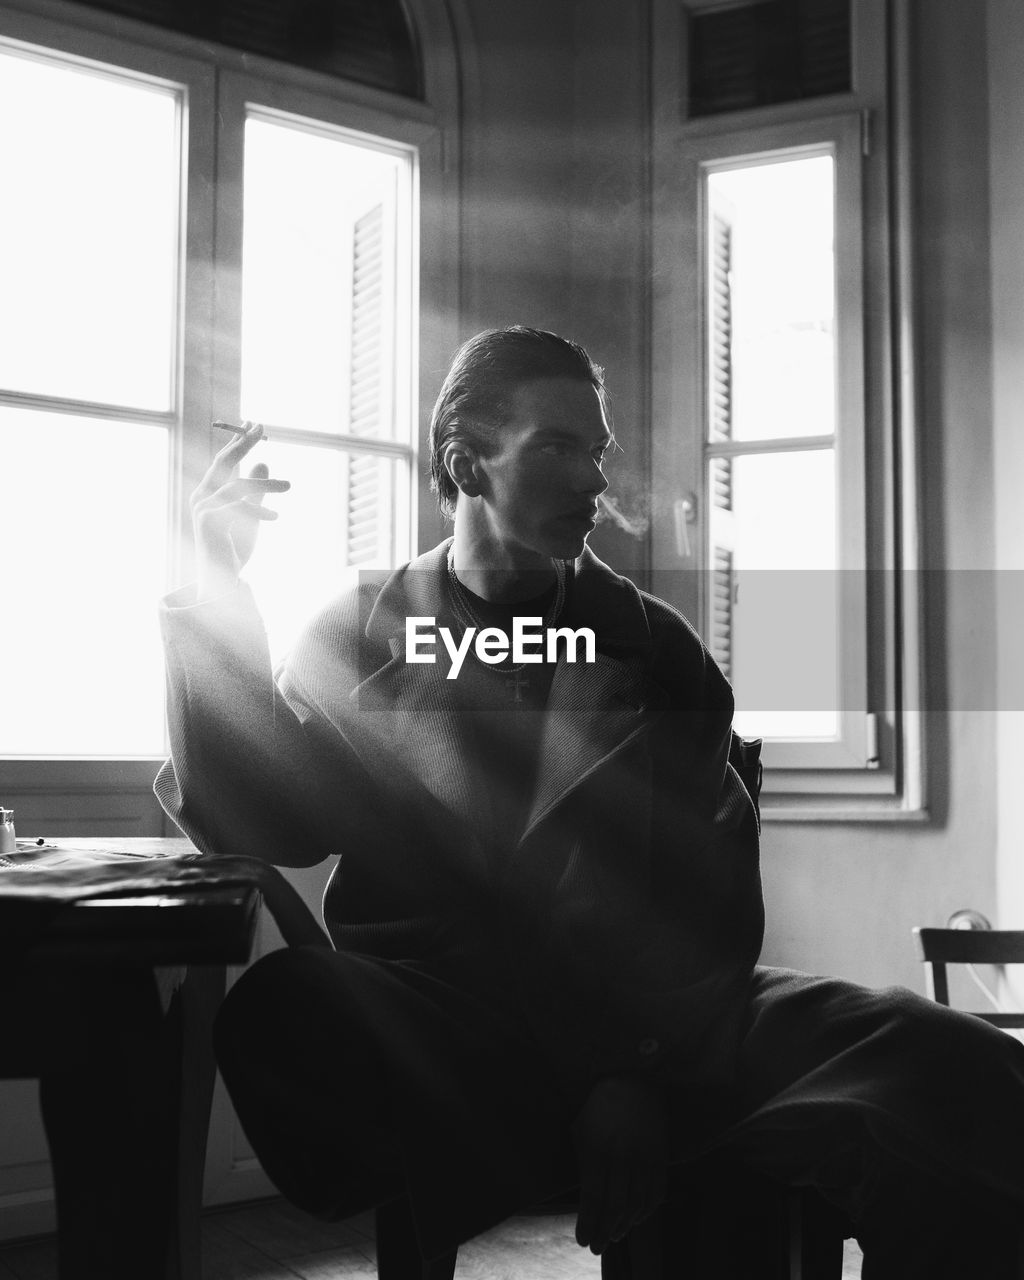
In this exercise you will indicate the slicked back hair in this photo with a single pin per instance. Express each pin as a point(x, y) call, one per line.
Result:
point(475, 400)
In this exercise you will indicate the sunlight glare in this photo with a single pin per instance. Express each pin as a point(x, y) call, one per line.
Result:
point(305, 190)
point(86, 501)
point(88, 250)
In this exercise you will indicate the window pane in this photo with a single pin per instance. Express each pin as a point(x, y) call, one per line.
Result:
point(89, 165)
point(338, 517)
point(773, 591)
point(324, 303)
point(771, 299)
point(85, 504)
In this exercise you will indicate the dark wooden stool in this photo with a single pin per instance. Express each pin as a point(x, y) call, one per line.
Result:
point(732, 1226)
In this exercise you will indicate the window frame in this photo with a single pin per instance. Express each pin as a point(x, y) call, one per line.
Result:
point(242, 96)
point(427, 128)
point(878, 772)
point(840, 137)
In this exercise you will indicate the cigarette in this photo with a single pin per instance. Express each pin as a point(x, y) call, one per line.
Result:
point(229, 426)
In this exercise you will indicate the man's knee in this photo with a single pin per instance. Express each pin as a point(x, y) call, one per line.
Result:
point(256, 1004)
point(962, 1048)
point(291, 1017)
point(309, 1091)
point(886, 1042)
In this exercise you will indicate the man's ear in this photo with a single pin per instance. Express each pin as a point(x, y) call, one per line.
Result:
point(463, 466)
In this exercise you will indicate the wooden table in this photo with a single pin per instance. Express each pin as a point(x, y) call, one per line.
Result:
point(126, 1084)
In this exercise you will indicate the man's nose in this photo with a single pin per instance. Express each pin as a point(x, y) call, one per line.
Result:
point(594, 479)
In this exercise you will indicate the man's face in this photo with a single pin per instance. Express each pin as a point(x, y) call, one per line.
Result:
point(543, 480)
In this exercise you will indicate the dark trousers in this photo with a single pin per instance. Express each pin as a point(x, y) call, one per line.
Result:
point(350, 1077)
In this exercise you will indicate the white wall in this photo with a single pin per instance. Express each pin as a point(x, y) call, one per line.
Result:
point(1006, 150)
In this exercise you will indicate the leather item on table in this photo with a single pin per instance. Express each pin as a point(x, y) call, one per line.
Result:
point(29, 894)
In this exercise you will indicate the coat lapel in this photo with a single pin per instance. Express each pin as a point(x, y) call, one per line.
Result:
point(412, 707)
point(596, 709)
point(593, 711)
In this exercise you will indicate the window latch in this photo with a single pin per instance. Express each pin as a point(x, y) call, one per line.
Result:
point(684, 511)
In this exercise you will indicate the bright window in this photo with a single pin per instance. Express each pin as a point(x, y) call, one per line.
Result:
point(83, 521)
point(774, 369)
point(89, 233)
point(167, 261)
point(771, 432)
point(782, 460)
point(326, 304)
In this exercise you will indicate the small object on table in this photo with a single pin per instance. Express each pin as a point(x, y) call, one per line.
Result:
point(8, 842)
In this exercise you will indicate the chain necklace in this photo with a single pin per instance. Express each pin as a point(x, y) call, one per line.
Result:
point(466, 615)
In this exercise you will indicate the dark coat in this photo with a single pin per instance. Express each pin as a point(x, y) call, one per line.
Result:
point(624, 921)
point(630, 907)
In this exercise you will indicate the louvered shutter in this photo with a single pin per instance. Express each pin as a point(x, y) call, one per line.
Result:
point(768, 51)
point(720, 413)
point(365, 511)
point(370, 41)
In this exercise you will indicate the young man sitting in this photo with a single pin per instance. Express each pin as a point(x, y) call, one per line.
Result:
point(546, 910)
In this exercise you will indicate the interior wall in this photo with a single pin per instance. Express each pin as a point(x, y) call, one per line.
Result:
point(610, 252)
point(1006, 110)
point(554, 201)
point(517, 157)
point(843, 898)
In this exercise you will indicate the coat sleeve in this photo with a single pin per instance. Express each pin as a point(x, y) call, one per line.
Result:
point(252, 772)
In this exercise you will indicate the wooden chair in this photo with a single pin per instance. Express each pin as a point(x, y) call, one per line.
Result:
point(975, 942)
point(979, 944)
point(786, 1234)
point(795, 1234)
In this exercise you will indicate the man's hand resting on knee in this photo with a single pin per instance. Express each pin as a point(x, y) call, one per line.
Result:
point(622, 1148)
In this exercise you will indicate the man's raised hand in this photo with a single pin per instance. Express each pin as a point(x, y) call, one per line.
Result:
point(226, 511)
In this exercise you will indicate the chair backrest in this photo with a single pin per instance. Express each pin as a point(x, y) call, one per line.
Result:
point(940, 947)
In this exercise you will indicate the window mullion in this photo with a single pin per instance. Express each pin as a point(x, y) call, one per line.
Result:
point(227, 330)
point(338, 440)
point(780, 444)
point(197, 325)
point(86, 408)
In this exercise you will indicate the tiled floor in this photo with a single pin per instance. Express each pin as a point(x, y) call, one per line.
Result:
point(273, 1241)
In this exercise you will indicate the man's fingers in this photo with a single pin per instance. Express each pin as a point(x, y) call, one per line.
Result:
point(591, 1202)
point(614, 1200)
point(619, 1210)
point(244, 506)
point(239, 506)
point(230, 456)
point(604, 1213)
point(238, 446)
point(226, 462)
point(259, 472)
point(244, 487)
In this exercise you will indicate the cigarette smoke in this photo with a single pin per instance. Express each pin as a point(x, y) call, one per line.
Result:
point(635, 520)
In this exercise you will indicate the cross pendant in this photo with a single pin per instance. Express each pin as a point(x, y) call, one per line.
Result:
point(518, 683)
